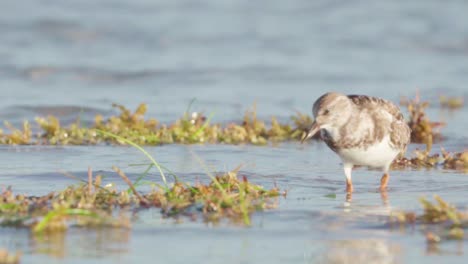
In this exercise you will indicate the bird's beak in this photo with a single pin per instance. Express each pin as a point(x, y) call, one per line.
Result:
point(312, 131)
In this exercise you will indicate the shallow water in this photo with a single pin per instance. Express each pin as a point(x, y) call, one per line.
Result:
point(75, 59)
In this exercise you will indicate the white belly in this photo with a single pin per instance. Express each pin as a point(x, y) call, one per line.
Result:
point(377, 156)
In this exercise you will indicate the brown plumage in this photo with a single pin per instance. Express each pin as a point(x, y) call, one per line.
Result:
point(362, 130)
point(400, 133)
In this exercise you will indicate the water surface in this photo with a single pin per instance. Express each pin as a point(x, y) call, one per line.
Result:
point(74, 59)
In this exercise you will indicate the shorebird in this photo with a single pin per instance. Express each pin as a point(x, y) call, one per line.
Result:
point(362, 130)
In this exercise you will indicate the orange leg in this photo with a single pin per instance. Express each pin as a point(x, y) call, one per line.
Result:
point(349, 186)
point(384, 182)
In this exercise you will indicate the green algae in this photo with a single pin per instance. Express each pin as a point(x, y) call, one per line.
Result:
point(439, 221)
point(194, 128)
point(93, 204)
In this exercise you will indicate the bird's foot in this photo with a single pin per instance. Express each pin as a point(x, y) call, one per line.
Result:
point(384, 197)
point(349, 197)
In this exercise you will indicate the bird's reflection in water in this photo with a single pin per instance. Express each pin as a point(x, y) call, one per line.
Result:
point(360, 251)
point(383, 197)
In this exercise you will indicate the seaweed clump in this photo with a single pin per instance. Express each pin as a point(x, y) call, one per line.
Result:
point(439, 220)
point(226, 196)
point(445, 159)
point(93, 204)
point(422, 129)
point(191, 128)
point(451, 103)
point(17, 136)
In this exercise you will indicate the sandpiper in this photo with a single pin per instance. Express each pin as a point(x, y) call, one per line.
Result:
point(362, 130)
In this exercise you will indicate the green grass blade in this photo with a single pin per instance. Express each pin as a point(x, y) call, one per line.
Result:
point(133, 144)
point(143, 175)
point(212, 177)
point(243, 204)
point(176, 178)
point(186, 114)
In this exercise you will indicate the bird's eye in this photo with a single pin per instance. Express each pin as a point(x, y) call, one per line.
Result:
point(326, 112)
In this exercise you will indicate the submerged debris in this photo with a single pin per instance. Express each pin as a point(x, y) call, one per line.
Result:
point(439, 221)
point(224, 197)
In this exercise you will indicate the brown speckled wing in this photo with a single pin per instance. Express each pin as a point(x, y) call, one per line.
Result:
point(368, 101)
point(400, 133)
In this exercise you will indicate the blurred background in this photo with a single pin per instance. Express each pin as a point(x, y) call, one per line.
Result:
point(63, 57)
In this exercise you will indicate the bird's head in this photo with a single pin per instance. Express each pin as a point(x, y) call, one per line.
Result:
point(331, 110)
